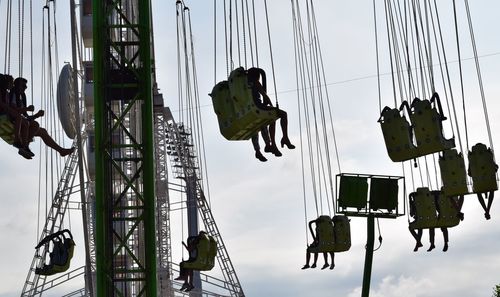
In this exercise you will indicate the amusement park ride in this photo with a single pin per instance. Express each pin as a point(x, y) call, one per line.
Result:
point(127, 140)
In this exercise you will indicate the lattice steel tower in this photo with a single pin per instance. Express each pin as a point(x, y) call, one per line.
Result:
point(125, 210)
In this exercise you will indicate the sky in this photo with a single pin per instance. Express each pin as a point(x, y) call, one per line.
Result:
point(258, 206)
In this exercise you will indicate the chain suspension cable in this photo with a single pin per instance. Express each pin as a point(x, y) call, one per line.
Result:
point(231, 35)
point(322, 83)
point(8, 29)
point(200, 133)
point(249, 34)
point(479, 76)
point(387, 18)
point(377, 56)
point(448, 76)
point(461, 74)
point(179, 67)
point(271, 52)
point(215, 42)
point(296, 57)
point(228, 68)
point(31, 53)
point(315, 110)
point(441, 70)
point(255, 34)
point(303, 69)
point(237, 31)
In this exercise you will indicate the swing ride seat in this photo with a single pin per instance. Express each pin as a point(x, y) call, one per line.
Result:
point(353, 192)
point(428, 128)
point(332, 237)
point(448, 214)
point(425, 209)
point(397, 135)
point(426, 213)
point(383, 193)
point(223, 107)
point(206, 252)
point(6, 129)
point(212, 253)
point(482, 169)
point(241, 118)
point(64, 259)
point(453, 175)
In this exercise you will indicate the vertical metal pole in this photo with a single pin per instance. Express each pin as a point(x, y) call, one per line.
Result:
point(192, 217)
point(99, 30)
point(367, 275)
point(148, 141)
point(88, 270)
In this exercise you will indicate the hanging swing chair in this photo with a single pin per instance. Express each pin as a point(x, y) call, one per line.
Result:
point(433, 210)
point(62, 252)
point(6, 126)
point(238, 115)
point(397, 135)
point(333, 235)
point(6, 129)
point(453, 175)
point(206, 251)
point(482, 169)
point(426, 125)
point(427, 122)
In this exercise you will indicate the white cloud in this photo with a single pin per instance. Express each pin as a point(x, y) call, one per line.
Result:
point(392, 286)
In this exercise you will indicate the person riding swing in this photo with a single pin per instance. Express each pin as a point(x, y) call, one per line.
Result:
point(26, 125)
point(254, 75)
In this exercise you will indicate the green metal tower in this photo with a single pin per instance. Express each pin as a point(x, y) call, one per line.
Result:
point(125, 222)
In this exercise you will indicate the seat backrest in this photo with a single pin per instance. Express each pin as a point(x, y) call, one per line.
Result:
point(453, 175)
point(425, 207)
point(428, 128)
point(59, 254)
point(203, 248)
point(397, 135)
point(482, 169)
point(212, 253)
point(342, 229)
point(324, 230)
point(353, 191)
point(448, 213)
point(240, 91)
point(222, 102)
point(6, 129)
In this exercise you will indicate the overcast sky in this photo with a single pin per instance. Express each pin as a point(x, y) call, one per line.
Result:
point(258, 206)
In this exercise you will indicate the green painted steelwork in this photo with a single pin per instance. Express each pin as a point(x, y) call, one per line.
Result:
point(125, 222)
point(100, 216)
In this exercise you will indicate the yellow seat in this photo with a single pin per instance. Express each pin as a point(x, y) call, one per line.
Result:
point(206, 252)
point(452, 166)
point(425, 209)
point(447, 211)
point(61, 255)
point(6, 129)
point(430, 215)
point(397, 135)
point(239, 118)
point(428, 128)
point(332, 237)
point(482, 169)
